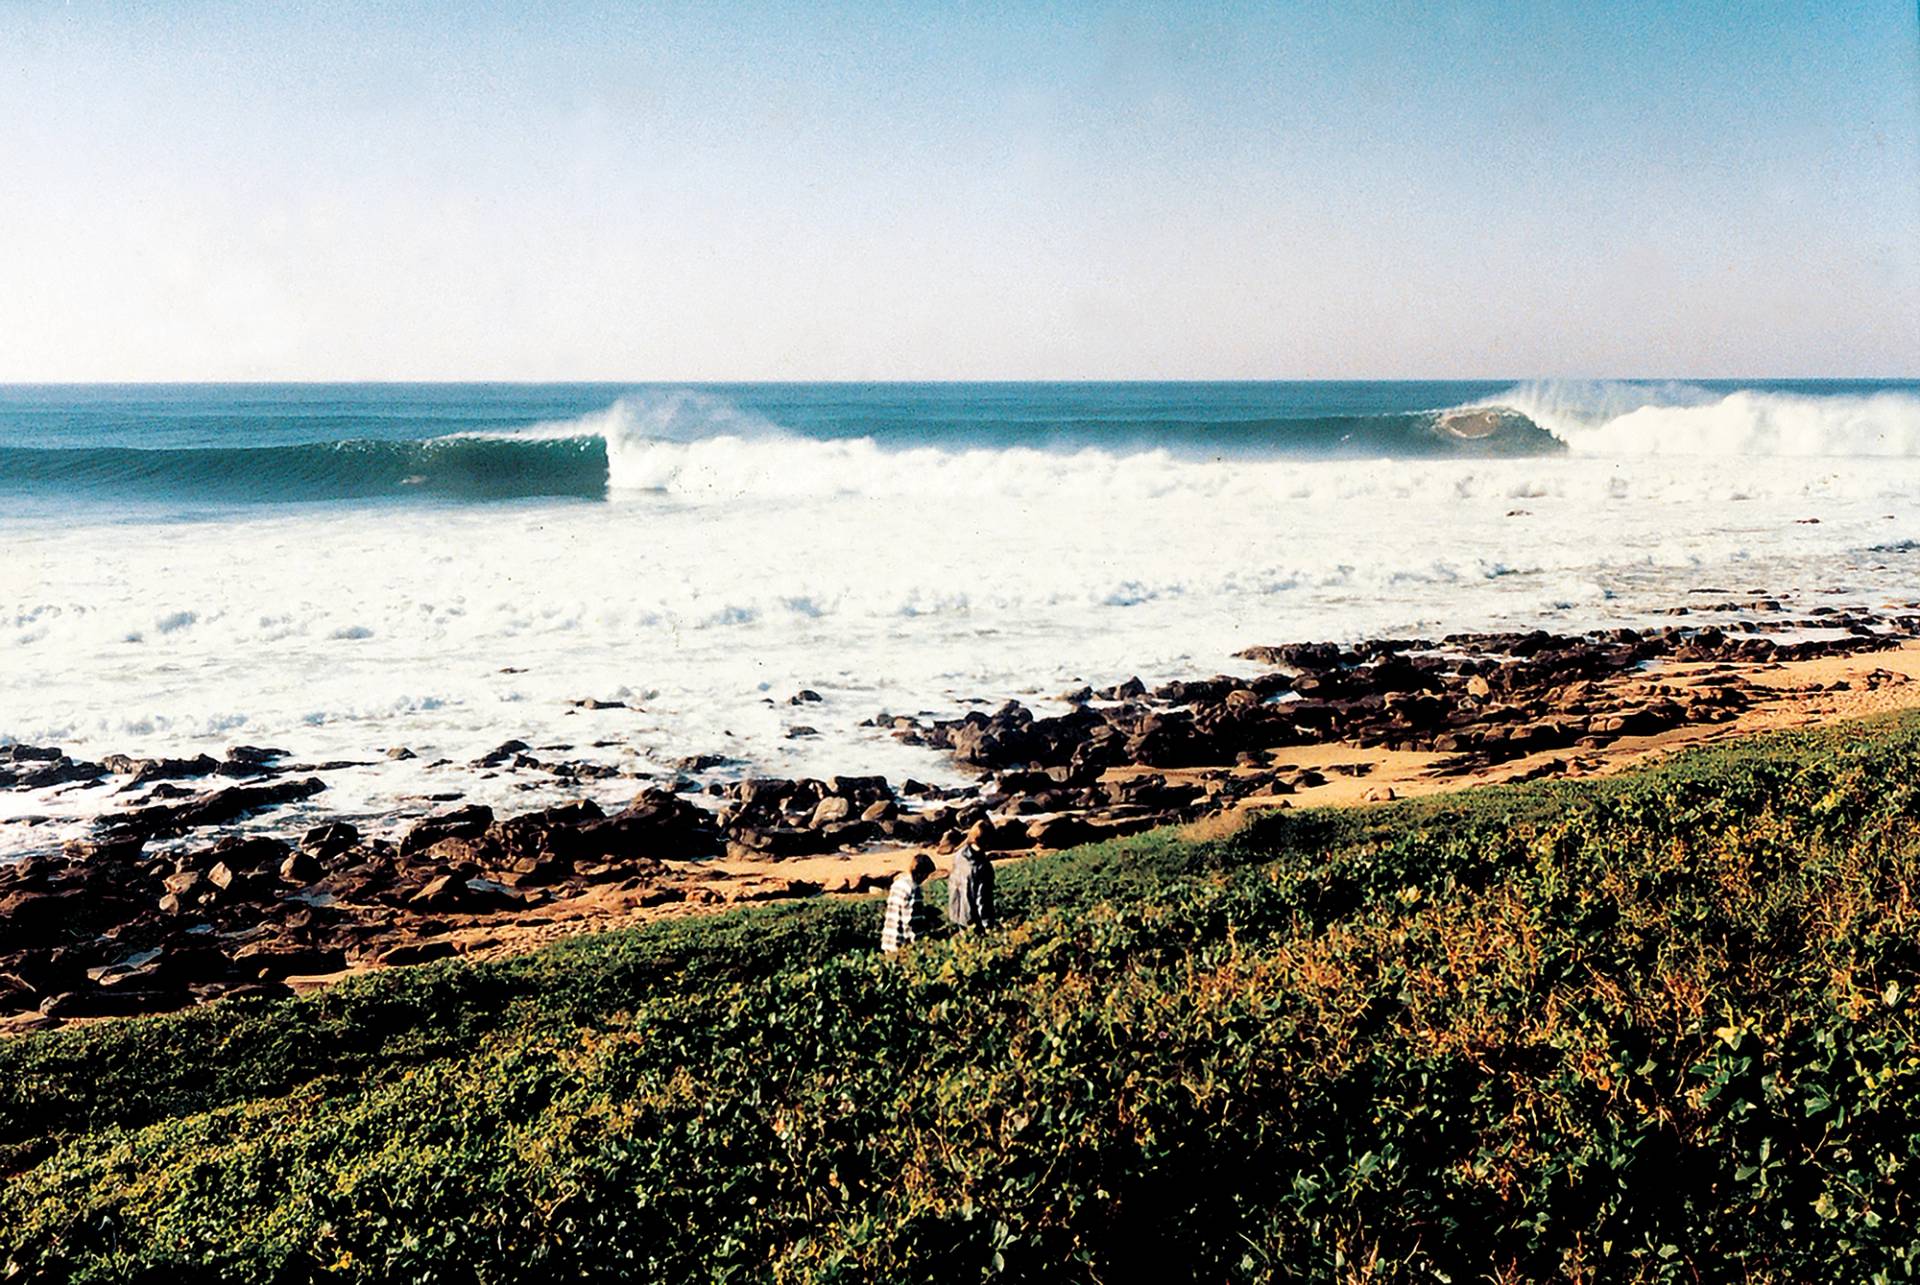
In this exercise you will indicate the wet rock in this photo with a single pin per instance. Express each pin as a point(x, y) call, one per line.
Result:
point(106, 848)
point(28, 767)
point(504, 752)
point(218, 808)
point(329, 840)
point(143, 770)
point(469, 822)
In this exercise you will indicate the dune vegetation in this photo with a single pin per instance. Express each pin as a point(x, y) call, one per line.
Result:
point(1657, 1027)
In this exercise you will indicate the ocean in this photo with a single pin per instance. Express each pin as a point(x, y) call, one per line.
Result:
point(340, 570)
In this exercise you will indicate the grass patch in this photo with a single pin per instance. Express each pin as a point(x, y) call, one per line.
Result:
point(1654, 1028)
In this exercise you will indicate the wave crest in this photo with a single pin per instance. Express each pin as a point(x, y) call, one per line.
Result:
point(1673, 419)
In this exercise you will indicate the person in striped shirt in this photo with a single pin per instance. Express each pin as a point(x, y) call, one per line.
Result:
point(904, 923)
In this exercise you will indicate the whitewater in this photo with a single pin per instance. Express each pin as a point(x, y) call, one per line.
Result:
point(341, 571)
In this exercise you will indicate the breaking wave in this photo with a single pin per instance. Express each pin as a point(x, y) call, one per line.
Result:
point(701, 446)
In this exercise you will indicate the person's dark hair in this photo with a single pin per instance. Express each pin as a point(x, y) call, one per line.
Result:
point(922, 867)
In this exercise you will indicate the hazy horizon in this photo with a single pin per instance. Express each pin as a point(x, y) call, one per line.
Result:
point(820, 193)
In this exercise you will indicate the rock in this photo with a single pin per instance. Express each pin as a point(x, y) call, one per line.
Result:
point(187, 885)
point(414, 952)
point(805, 696)
point(700, 762)
point(658, 823)
point(830, 811)
point(883, 810)
point(776, 890)
point(251, 852)
point(801, 732)
point(217, 808)
point(142, 770)
point(1060, 832)
point(1379, 794)
point(398, 752)
point(112, 1002)
point(469, 822)
point(278, 959)
point(300, 868)
point(16, 995)
point(110, 847)
point(180, 963)
point(244, 992)
point(859, 789)
point(759, 843)
point(550, 833)
point(448, 892)
point(501, 753)
point(329, 839)
point(253, 754)
point(998, 836)
point(31, 919)
point(30, 767)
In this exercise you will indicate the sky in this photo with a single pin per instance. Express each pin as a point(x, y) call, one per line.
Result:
point(572, 190)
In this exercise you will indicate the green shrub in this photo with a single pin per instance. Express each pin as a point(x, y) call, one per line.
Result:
point(1653, 1028)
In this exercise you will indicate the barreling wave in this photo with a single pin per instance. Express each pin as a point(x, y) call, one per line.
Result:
point(1674, 419)
point(470, 468)
point(703, 447)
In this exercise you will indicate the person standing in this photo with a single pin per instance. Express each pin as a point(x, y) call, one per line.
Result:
point(902, 924)
point(970, 888)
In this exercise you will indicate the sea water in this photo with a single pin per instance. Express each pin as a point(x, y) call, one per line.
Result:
point(338, 570)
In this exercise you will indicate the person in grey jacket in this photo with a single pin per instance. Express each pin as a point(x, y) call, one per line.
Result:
point(970, 888)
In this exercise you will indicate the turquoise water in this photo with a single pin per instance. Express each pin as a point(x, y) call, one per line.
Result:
point(277, 444)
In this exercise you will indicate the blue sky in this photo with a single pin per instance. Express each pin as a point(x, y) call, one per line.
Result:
point(573, 190)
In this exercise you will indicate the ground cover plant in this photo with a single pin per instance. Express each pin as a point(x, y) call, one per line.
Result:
point(1653, 1028)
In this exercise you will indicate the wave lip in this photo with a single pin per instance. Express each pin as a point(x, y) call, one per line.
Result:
point(1629, 420)
point(472, 468)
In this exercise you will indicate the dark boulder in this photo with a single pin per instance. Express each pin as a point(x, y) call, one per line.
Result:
point(469, 822)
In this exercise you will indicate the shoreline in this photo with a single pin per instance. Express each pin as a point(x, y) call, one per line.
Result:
point(109, 928)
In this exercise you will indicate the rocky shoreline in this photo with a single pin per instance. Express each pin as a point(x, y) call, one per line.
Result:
point(168, 904)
